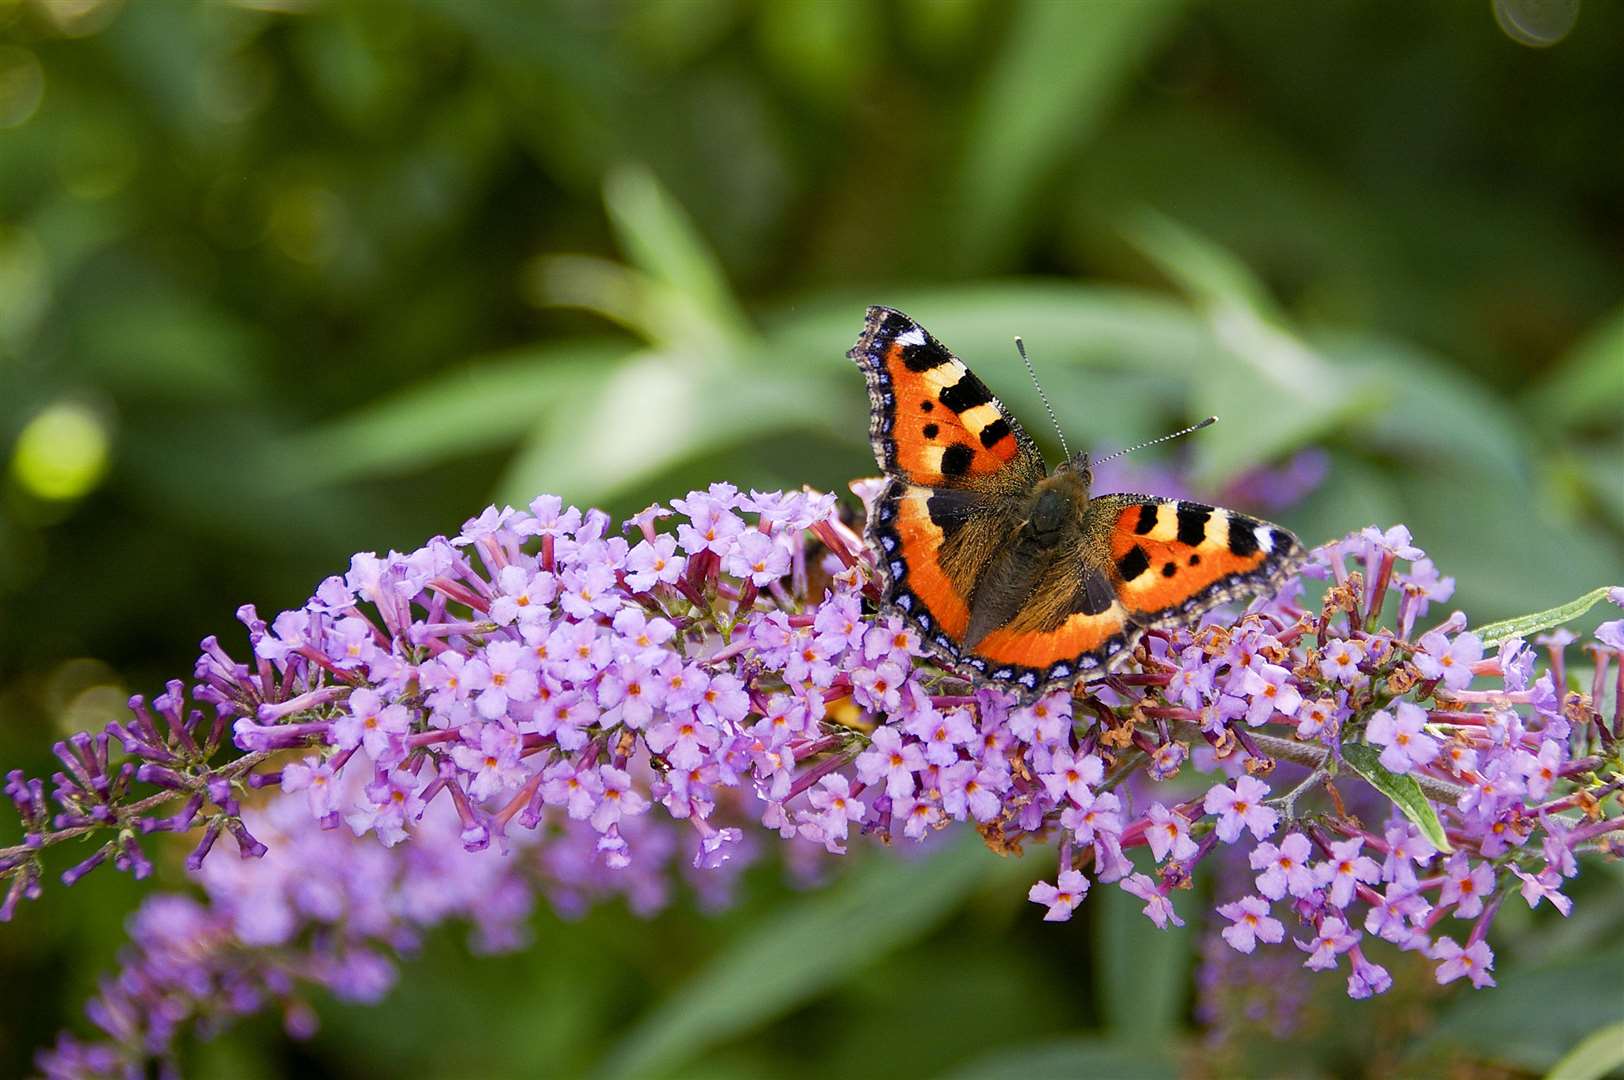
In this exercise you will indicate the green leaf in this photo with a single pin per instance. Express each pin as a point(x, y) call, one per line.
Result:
point(1143, 972)
point(660, 239)
point(1087, 325)
point(658, 410)
point(1055, 78)
point(1403, 790)
point(1585, 387)
point(486, 404)
point(822, 49)
point(1523, 625)
point(1071, 1057)
point(796, 955)
point(1279, 392)
point(1600, 1054)
point(1593, 469)
point(1534, 1017)
point(1439, 412)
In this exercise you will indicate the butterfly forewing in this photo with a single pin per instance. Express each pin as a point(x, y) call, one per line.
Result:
point(932, 422)
point(1173, 559)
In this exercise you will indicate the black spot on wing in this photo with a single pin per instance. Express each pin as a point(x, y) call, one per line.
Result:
point(956, 460)
point(930, 431)
point(1242, 536)
point(1148, 513)
point(1134, 563)
point(946, 512)
point(967, 393)
point(994, 431)
point(925, 357)
point(1169, 569)
point(1193, 519)
point(927, 405)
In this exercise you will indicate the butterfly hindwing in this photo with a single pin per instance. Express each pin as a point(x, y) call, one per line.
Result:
point(1070, 623)
point(1172, 559)
point(932, 422)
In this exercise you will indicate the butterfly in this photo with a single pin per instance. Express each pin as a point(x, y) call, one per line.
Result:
point(1013, 574)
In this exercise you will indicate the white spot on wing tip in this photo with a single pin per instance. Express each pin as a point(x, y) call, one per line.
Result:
point(914, 336)
point(1265, 541)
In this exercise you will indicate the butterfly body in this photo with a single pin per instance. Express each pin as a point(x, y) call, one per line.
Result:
point(1017, 575)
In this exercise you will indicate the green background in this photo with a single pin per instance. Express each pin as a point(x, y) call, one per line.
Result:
point(287, 279)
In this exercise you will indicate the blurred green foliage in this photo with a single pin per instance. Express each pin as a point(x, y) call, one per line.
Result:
point(284, 279)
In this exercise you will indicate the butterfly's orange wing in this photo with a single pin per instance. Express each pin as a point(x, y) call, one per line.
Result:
point(931, 421)
point(1173, 559)
point(956, 464)
point(1139, 562)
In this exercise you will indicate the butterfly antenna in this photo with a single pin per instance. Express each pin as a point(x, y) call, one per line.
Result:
point(1020, 347)
point(1208, 422)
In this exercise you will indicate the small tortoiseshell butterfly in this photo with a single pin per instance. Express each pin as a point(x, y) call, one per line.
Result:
point(1012, 573)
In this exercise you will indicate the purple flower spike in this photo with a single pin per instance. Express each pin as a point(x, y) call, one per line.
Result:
point(548, 708)
point(1345, 870)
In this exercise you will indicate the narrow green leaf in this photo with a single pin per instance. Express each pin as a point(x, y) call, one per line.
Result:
point(1403, 790)
point(799, 953)
point(1585, 386)
point(486, 404)
point(1523, 625)
point(1071, 1057)
point(1284, 393)
point(1097, 327)
point(1207, 272)
point(1143, 972)
point(660, 240)
point(658, 410)
point(1593, 468)
point(1441, 412)
point(1600, 1054)
point(1056, 76)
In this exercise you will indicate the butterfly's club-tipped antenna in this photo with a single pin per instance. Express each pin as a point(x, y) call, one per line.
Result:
point(1020, 347)
point(1208, 422)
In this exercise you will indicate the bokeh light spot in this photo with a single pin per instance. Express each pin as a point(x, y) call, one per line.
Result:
point(25, 286)
point(1538, 24)
point(80, 18)
point(307, 223)
point(61, 453)
point(97, 160)
point(22, 85)
point(83, 694)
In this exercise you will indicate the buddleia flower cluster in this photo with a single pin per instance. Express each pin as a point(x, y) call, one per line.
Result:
point(546, 706)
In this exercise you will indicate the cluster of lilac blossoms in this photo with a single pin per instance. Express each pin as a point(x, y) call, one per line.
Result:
point(544, 706)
